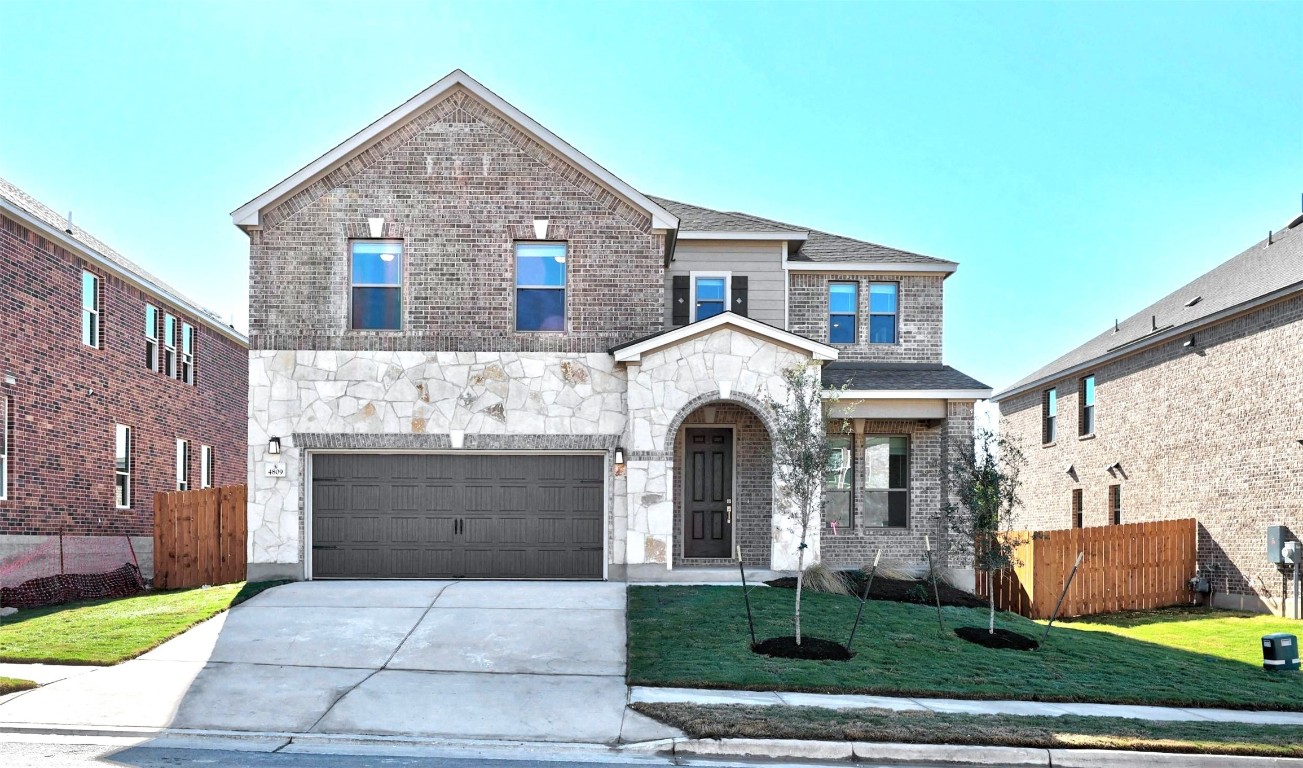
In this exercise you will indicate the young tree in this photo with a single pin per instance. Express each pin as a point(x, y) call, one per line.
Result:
point(800, 458)
point(984, 477)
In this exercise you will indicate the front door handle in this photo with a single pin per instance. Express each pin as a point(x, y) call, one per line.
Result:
point(728, 509)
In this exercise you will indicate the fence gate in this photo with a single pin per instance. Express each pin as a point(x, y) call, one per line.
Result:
point(199, 537)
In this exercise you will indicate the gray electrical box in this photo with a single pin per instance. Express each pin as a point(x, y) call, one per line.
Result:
point(1276, 543)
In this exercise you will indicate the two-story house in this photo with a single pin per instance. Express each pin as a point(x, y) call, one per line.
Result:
point(113, 387)
point(475, 352)
point(1190, 408)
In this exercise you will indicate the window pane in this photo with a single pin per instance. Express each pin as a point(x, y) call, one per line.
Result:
point(899, 464)
point(377, 263)
point(540, 309)
point(707, 309)
point(897, 509)
point(1053, 401)
point(122, 448)
point(1090, 390)
point(121, 490)
point(169, 330)
point(882, 329)
point(187, 338)
point(151, 322)
point(841, 330)
point(837, 508)
point(837, 474)
point(541, 264)
point(841, 298)
point(882, 297)
point(877, 462)
point(875, 509)
point(377, 308)
point(89, 299)
point(88, 334)
point(710, 289)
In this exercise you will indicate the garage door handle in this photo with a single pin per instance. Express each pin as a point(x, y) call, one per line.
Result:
point(323, 546)
point(590, 549)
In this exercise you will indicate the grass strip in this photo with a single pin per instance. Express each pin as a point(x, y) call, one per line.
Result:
point(10, 685)
point(722, 721)
point(110, 631)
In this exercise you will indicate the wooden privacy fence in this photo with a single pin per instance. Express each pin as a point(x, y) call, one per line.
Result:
point(199, 537)
point(1126, 567)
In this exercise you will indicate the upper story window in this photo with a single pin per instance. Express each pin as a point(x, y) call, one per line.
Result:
point(1115, 503)
point(4, 448)
point(1087, 396)
point(838, 478)
point(187, 372)
point(1049, 415)
point(540, 286)
point(122, 467)
point(882, 312)
point(886, 482)
point(205, 466)
point(1076, 508)
point(90, 309)
point(709, 295)
point(182, 465)
point(151, 337)
point(169, 346)
point(843, 303)
point(377, 283)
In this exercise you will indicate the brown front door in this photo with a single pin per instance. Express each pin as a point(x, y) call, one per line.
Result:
point(708, 493)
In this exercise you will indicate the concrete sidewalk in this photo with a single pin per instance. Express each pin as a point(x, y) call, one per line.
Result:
point(959, 706)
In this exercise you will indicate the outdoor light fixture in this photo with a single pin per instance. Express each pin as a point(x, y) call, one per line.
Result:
point(274, 446)
point(1189, 342)
point(1067, 469)
point(619, 456)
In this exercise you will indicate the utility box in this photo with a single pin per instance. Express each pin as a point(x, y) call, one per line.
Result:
point(1280, 652)
point(1276, 544)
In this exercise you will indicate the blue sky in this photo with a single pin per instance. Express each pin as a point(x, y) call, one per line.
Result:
point(1078, 159)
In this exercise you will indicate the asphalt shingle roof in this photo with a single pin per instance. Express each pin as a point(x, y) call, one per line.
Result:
point(905, 376)
point(818, 247)
point(1261, 270)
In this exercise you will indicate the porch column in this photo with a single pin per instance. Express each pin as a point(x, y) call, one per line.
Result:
point(651, 511)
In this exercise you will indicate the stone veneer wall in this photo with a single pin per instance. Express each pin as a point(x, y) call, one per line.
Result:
point(1209, 432)
point(413, 400)
point(753, 480)
point(919, 318)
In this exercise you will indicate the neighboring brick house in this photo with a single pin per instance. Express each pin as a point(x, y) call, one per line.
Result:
point(476, 352)
point(1191, 408)
point(96, 405)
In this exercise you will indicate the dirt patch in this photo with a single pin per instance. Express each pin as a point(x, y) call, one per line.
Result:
point(916, 591)
point(813, 648)
point(1001, 639)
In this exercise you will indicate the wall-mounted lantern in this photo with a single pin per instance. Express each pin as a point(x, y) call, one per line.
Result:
point(274, 446)
point(619, 456)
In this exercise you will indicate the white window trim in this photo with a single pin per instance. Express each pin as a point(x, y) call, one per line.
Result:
point(95, 310)
point(401, 285)
point(151, 336)
point(186, 368)
point(182, 464)
point(870, 314)
point(4, 448)
point(205, 466)
point(517, 287)
point(116, 472)
point(692, 291)
point(855, 313)
point(169, 345)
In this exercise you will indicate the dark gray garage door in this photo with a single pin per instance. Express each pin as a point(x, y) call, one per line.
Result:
point(424, 516)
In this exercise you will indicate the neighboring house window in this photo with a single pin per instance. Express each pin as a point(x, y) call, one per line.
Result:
point(1087, 396)
point(187, 353)
point(205, 466)
point(169, 346)
point(182, 465)
point(1115, 503)
point(377, 286)
point(1049, 413)
point(540, 286)
point(882, 312)
point(4, 448)
point(842, 310)
point(709, 295)
point(151, 337)
point(90, 309)
point(839, 475)
point(1076, 508)
point(886, 482)
point(122, 467)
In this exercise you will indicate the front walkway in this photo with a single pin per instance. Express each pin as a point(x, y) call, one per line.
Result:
point(957, 706)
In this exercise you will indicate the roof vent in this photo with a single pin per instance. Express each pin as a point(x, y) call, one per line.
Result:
point(1194, 301)
point(68, 228)
point(1294, 222)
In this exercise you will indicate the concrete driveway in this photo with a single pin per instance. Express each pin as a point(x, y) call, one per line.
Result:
point(531, 661)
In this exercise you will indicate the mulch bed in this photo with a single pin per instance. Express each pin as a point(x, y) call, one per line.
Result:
point(1002, 639)
point(813, 648)
point(915, 591)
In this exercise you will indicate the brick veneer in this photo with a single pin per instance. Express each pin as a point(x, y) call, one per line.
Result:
point(919, 315)
point(1209, 432)
point(458, 185)
point(68, 397)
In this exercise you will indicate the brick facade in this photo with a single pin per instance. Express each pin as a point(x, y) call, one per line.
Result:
point(68, 397)
point(919, 321)
point(1209, 432)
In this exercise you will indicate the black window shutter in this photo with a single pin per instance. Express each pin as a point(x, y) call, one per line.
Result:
point(681, 311)
point(739, 291)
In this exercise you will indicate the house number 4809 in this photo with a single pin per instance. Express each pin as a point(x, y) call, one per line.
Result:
point(275, 469)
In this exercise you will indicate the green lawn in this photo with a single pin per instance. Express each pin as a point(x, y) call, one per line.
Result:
point(1225, 634)
point(697, 637)
point(1066, 732)
point(9, 685)
point(114, 630)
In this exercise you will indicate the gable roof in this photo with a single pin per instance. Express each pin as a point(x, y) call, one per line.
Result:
point(817, 248)
point(1260, 274)
point(247, 215)
point(632, 351)
point(900, 377)
point(31, 212)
